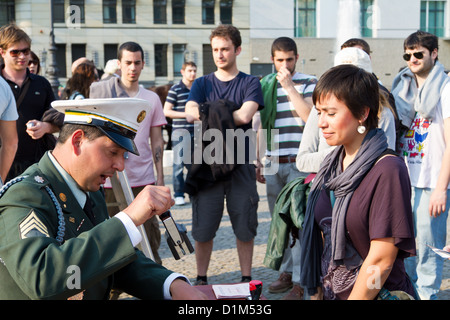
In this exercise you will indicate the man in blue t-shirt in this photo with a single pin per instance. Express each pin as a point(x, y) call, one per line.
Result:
point(240, 189)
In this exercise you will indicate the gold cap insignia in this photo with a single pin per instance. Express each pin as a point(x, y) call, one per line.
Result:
point(141, 116)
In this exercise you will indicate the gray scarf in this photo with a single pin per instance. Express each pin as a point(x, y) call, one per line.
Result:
point(409, 99)
point(343, 184)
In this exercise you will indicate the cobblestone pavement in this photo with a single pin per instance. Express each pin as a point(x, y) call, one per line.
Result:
point(224, 265)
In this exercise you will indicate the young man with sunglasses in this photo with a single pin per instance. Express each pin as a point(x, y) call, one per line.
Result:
point(422, 97)
point(33, 95)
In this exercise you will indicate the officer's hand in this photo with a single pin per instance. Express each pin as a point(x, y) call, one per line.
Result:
point(181, 290)
point(153, 200)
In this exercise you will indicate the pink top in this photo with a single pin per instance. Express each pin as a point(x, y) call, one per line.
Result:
point(139, 169)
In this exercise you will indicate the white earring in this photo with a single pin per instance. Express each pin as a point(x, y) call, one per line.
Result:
point(361, 129)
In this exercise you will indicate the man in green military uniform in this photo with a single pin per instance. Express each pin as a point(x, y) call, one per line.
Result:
point(52, 246)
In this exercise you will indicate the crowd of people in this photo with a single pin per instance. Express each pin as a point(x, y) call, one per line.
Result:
point(357, 176)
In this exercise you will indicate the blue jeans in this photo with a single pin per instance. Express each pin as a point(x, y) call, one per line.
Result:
point(425, 270)
point(179, 150)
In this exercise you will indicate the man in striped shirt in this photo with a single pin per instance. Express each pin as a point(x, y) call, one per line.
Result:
point(182, 130)
point(287, 98)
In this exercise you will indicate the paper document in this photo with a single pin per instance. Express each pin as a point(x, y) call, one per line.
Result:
point(231, 291)
point(442, 253)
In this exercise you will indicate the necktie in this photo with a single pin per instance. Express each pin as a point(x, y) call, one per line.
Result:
point(88, 209)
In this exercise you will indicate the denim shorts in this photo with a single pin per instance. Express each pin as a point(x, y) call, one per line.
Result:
point(241, 198)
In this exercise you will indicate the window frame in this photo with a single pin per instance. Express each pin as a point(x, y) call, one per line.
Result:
point(307, 29)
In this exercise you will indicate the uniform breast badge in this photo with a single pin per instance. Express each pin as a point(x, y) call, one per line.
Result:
point(63, 197)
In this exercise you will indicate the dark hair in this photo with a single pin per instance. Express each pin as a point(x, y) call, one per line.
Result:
point(353, 86)
point(284, 44)
point(227, 31)
point(34, 57)
point(188, 63)
point(422, 39)
point(83, 76)
point(129, 46)
point(352, 42)
point(90, 132)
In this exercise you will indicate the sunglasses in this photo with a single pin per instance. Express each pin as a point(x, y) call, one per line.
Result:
point(32, 62)
point(15, 53)
point(417, 55)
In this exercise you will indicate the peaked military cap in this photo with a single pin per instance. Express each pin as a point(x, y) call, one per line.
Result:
point(117, 118)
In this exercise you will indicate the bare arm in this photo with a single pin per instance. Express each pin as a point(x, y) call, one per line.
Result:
point(375, 269)
point(157, 143)
point(439, 196)
point(8, 136)
point(191, 109)
point(245, 113)
point(260, 151)
point(170, 113)
point(241, 116)
point(40, 128)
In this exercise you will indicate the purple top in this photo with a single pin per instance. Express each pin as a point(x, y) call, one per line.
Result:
point(380, 208)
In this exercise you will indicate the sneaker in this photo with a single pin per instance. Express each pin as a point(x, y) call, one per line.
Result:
point(283, 283)
point(179, 201)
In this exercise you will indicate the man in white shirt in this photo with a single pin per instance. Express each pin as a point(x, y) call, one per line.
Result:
point(422, 97)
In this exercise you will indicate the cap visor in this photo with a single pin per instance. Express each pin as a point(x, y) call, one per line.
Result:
point(124, 142)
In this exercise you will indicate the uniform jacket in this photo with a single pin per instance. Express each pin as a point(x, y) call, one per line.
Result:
point(34, 265)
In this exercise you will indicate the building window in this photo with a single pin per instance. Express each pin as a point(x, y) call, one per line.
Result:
point(261, 69)
point(78, 51)
point(178, 58)
point(80, 5)
point(160, 11)
point(178, 14)
point(305, 18)
point(110, 51)
point(366, 17)
point(432, 17)
point(109, 11)
point(161, 60)
point(226, 11)
point(7, 12)
point(61, 60)
point(208, 11)
point(58, 11)
point(208, 61)
point(129, 11)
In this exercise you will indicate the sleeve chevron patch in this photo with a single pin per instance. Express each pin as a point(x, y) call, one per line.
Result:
point(32, 226)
